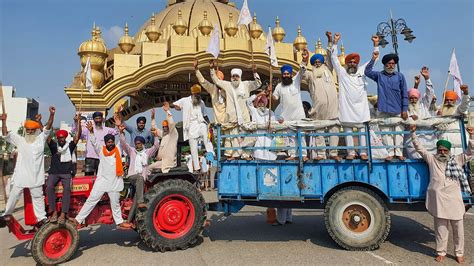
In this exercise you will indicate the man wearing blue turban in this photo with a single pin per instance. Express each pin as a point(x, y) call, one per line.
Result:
point(322, 89)
point(288, 92)
point(139, 130)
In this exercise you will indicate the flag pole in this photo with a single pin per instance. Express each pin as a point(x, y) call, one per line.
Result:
point(271, 90)
point(446, 83)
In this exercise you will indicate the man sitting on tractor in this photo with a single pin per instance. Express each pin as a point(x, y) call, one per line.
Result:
point(138, 168)
point(62, 167)
point(109, 179)
point(29, 169)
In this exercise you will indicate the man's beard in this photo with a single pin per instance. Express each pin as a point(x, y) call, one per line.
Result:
point(235, 83)
point(30, 138)
point(414, 107)
point(442, 157)
point(109, 148)
point(196, 100)
point(98, 124)
point(389, 70)
point(448, 109)
point(287, 81)
point(261, 109)
point(351, 70)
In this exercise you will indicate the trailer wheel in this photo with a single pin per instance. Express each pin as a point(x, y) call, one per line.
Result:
point(55, 243)
point(174, 217)
point(357, 219)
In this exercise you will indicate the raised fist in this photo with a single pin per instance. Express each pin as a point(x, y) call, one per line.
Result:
point(425, 72)
point(337, 37)
point(465, 89)
point(166, 106)
point(375, 40)
point(375, 55)
point(52, 110)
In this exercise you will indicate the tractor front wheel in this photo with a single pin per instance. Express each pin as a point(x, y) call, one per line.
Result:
point(174, 216)
point(55, 243)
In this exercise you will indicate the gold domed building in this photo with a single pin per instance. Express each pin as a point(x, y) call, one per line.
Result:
point(156, 63)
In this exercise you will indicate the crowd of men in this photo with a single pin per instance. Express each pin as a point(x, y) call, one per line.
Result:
point(237, 102)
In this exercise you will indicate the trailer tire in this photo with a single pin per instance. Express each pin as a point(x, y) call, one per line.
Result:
point(357, 219)
point(55, 243)
point(174, 217)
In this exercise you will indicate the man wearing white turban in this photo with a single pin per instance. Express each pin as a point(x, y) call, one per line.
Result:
point(237, 92)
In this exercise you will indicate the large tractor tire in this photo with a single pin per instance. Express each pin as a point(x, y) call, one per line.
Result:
point(55, 243)
point(174, 217)
point(357, 219)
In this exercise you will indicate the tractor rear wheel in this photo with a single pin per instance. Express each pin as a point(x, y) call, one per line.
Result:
point(174, 216)
point(357, 219)
point(55, 243)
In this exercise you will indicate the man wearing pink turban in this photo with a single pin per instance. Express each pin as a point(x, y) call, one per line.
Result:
point(419, 108)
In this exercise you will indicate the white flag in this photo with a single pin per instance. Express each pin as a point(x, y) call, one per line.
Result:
point(270, 49)
point(454, 72)
point(214, 44)
point(244, 17)
point(88, 75)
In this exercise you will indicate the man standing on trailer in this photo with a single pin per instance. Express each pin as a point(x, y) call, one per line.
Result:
point(29, 168)
point(139, 131)
point(353, 102)
point(237, 93)
point(392, 100)
point(288, 91)
point(444, 201)
point(109, 179)
point(194, 123)
point(322, 89)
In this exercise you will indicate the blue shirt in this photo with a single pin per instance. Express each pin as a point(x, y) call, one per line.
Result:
point(133, 131)
point(392, 90)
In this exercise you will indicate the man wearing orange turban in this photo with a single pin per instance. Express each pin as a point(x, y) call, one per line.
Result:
point(166, 157)
point(450, 108)
point(194, 123)
point(29, 168)
point(353, 101)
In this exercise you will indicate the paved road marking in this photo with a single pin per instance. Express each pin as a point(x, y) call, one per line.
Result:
point(379, 258)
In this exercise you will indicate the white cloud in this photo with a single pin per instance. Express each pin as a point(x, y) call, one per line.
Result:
point(112, 35)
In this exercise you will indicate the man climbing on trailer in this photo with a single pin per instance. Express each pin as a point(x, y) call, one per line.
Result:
point(29, 169)
point(444, 195)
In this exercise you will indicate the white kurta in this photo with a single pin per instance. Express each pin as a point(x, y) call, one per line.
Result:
point(236, 106)
point(353, 103)
point(424, 103)
point(193, 116)
point(290, 99)
point(261, 119)
point(454, 137)
point(29, 169)
point(107, 179)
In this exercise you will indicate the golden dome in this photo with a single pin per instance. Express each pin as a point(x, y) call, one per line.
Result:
point(205, 27)
point(191, 12)
point(319, 48)
point(278, 32)
point(180, 26)
point(300, 41)
point(126, 43)
point(98, 34)
point(342, 56)
point(231, 28)
point(255, 29)
point(92, 45)
point(152, 31)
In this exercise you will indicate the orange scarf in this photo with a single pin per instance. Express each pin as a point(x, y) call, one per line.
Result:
point(118, 159)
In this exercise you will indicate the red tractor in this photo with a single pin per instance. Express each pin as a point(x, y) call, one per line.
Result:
point(173, 218)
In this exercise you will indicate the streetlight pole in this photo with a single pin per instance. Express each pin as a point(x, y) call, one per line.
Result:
point(392, 28)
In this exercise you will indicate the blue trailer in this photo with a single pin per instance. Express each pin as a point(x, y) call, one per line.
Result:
point(356, 195)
